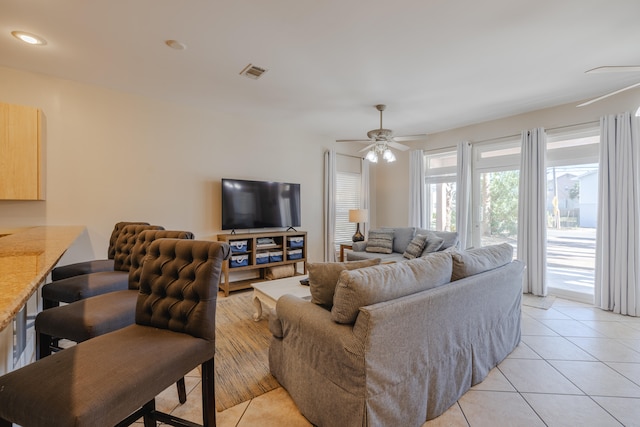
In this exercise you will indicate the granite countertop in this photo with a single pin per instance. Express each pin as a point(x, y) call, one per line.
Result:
point(27, 255)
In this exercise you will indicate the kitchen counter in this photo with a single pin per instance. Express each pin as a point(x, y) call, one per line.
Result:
point(26, 258)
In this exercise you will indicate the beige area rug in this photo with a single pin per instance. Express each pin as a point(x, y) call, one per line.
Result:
point(242, 347)
point(538, 302)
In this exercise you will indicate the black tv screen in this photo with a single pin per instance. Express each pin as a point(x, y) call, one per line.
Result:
point(259, 204)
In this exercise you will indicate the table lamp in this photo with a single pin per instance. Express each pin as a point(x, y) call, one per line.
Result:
point(358, 216)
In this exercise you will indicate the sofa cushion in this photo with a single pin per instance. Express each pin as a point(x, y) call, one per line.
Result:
point(359, 288)
point(380, 241)
point(401, 237)
point(475, 261)
point(417, 244)
point(450, 237)
point(323, 277)
point(434, 243)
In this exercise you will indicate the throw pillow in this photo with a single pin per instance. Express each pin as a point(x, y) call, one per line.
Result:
point(385, 282)
point(475, 261)
point(323, 277)
point(450, 237)
point(415, 247)
point(434, 243)
point(380, 241)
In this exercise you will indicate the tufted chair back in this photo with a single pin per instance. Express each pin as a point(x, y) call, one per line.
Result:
point(124, 244)
point(111, 253)
point(139, 251)
point(179, 286)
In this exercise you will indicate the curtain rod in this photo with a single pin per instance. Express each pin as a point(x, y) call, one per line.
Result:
point(551, 129)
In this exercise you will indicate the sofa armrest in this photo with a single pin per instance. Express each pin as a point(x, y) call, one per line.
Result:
point(359, 246)
point(310, 323)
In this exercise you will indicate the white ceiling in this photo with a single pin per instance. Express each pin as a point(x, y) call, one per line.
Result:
point(437, 64)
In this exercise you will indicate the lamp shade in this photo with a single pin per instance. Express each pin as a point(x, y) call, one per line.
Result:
point(358, 215)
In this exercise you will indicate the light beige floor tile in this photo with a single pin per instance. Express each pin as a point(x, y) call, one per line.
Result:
point(596, 378)
point(495, 381)
point(570, 328)
point(273, 409)
point(230, 417)
point(531, 326)
point(167, 401)
point(569, 411)
point(523, 351)
point(562, 302)
point(613, 329)
point(191, 410)
point(586, 313)
point(606, 349)
point(556, 348)
point(626, 410)
point(536, 376)
point(632, 344)
point(629, 370)
point(538, 313)
point(495, 408)
point(453, 417)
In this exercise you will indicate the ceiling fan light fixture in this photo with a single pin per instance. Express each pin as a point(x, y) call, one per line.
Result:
point(372, 156)
point(388, 156)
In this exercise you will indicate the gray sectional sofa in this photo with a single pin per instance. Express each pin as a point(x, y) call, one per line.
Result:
point(402, 237)
point(402, 341)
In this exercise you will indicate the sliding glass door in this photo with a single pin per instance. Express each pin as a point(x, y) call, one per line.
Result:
point(572, 194)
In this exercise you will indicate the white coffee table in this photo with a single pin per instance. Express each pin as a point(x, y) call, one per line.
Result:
point(267, 293)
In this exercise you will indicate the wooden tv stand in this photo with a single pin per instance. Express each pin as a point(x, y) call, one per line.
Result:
point(282, 242)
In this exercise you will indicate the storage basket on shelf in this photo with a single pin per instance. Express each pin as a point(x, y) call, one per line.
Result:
point(238, 245)
point(275, 256)
point(295, 242)
point(294, 254)
point(239, 261)
point(262, 257)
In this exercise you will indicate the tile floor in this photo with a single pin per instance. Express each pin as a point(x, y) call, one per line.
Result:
point(576, 366)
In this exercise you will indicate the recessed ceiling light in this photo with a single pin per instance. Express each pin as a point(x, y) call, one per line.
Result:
point(175, 44)
point(29, 38)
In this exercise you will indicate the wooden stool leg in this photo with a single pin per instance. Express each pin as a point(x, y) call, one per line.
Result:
point(208, 394)
point(182, 390)
point(5, 423)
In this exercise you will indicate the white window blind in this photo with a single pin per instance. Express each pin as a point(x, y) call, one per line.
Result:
point(347, 197)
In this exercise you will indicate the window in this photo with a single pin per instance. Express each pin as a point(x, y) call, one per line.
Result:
point(440, 181)
point(348, 196)
point(496, 178)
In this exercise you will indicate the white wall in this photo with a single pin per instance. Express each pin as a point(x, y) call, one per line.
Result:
point(111, 156)
point(392, 195)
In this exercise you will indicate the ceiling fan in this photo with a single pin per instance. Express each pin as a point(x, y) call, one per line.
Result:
point(612, 69)
point(380, 141)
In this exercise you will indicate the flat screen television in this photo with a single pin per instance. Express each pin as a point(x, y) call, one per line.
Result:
point(259, 204)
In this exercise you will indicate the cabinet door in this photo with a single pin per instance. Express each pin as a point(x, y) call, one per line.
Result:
point(19, 153)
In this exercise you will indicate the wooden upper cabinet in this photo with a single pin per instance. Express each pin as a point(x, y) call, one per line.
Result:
point(20, 160)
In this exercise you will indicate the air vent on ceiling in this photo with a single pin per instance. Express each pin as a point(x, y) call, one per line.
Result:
point(252, 71)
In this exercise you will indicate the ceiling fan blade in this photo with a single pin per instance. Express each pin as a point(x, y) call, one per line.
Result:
point(608, 95)
point(368, 147)
point(361, 141)
point(410, 137)
point(615, 69)
point(397, 146)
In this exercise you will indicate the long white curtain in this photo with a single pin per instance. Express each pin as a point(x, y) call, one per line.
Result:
point(463, 194)
point(532, 230)
point(417, 192)
point(329, 205)
point(364, 189)
point(617, 281)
